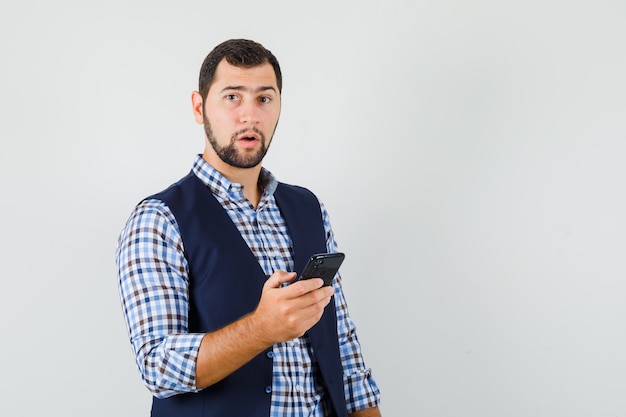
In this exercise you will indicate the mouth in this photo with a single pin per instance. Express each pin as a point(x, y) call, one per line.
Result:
point(248, 136)
point(248, 139)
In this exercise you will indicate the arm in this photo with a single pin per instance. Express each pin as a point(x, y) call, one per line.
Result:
point(283, 313)
point(361, 391)
point(153, 285)
point(153, 282)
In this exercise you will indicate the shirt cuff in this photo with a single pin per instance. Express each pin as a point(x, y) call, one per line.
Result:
point(361, 391)
point(170, 365)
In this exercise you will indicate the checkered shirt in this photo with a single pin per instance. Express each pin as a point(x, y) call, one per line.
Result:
point(153, 283)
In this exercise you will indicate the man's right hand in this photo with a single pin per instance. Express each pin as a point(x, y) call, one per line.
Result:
point(287, 312)
point(284, 313)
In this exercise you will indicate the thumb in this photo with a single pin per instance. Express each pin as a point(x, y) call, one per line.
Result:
point(279, 277)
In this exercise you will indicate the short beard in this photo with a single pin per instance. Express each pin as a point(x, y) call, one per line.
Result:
point(229, 153)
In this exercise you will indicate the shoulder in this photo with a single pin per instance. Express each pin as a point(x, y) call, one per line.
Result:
point(151, 214)
point(151, 228)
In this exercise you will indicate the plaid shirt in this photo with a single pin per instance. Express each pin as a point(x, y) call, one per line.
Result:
point(153, 283)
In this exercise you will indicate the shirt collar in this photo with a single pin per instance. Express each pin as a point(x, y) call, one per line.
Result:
point(223, 187)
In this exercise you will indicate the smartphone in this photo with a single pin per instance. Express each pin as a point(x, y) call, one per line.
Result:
point(322, 265)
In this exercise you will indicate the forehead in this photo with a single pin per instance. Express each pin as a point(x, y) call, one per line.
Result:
point(227, 75)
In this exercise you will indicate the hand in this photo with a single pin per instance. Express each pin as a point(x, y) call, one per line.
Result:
point(285, 313)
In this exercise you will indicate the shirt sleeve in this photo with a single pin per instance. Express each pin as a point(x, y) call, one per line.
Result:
point(360, 388)
point(153, 284)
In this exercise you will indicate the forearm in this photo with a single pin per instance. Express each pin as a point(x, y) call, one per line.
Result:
point(368, 412)
point(225, 350)
point(282, 314)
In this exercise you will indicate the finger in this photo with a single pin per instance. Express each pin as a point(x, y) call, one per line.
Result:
point(305, 286)
point(279, 277)
point(312, 284)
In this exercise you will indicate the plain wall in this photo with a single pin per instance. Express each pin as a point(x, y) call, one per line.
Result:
point(471, 155)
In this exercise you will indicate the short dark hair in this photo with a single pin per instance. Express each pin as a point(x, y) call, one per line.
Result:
point(240, 53)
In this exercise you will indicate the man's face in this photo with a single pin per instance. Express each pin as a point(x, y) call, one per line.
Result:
point(239, 114)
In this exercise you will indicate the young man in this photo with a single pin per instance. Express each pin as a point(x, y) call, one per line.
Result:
point(216, 326)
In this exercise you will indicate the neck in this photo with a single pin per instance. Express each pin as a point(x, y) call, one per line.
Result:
point(247, 177)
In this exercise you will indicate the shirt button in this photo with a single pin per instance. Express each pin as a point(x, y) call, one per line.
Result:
point(270, 354)
point(268, 389)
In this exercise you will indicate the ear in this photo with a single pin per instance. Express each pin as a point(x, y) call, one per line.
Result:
point(198, 107)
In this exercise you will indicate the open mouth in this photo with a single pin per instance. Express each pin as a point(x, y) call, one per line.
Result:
point(249, 141)
point(249, 136)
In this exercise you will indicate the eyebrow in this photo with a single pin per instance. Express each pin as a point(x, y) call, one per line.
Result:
point(252, 90)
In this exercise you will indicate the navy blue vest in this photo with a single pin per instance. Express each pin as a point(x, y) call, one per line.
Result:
point(225, 284)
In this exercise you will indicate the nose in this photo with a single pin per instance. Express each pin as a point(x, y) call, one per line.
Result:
point(248, 113)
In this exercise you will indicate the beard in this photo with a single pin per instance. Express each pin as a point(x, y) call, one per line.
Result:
point(229, 153)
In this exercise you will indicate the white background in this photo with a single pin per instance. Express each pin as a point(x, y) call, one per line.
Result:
point(471, 155)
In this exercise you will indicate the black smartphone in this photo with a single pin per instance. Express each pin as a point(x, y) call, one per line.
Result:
point(322, 265)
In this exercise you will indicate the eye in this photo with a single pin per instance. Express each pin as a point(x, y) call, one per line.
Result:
point(231, 97)
point(265, 99)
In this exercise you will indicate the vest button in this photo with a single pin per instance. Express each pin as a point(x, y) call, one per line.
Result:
point(268, 389)
point(270, 354)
